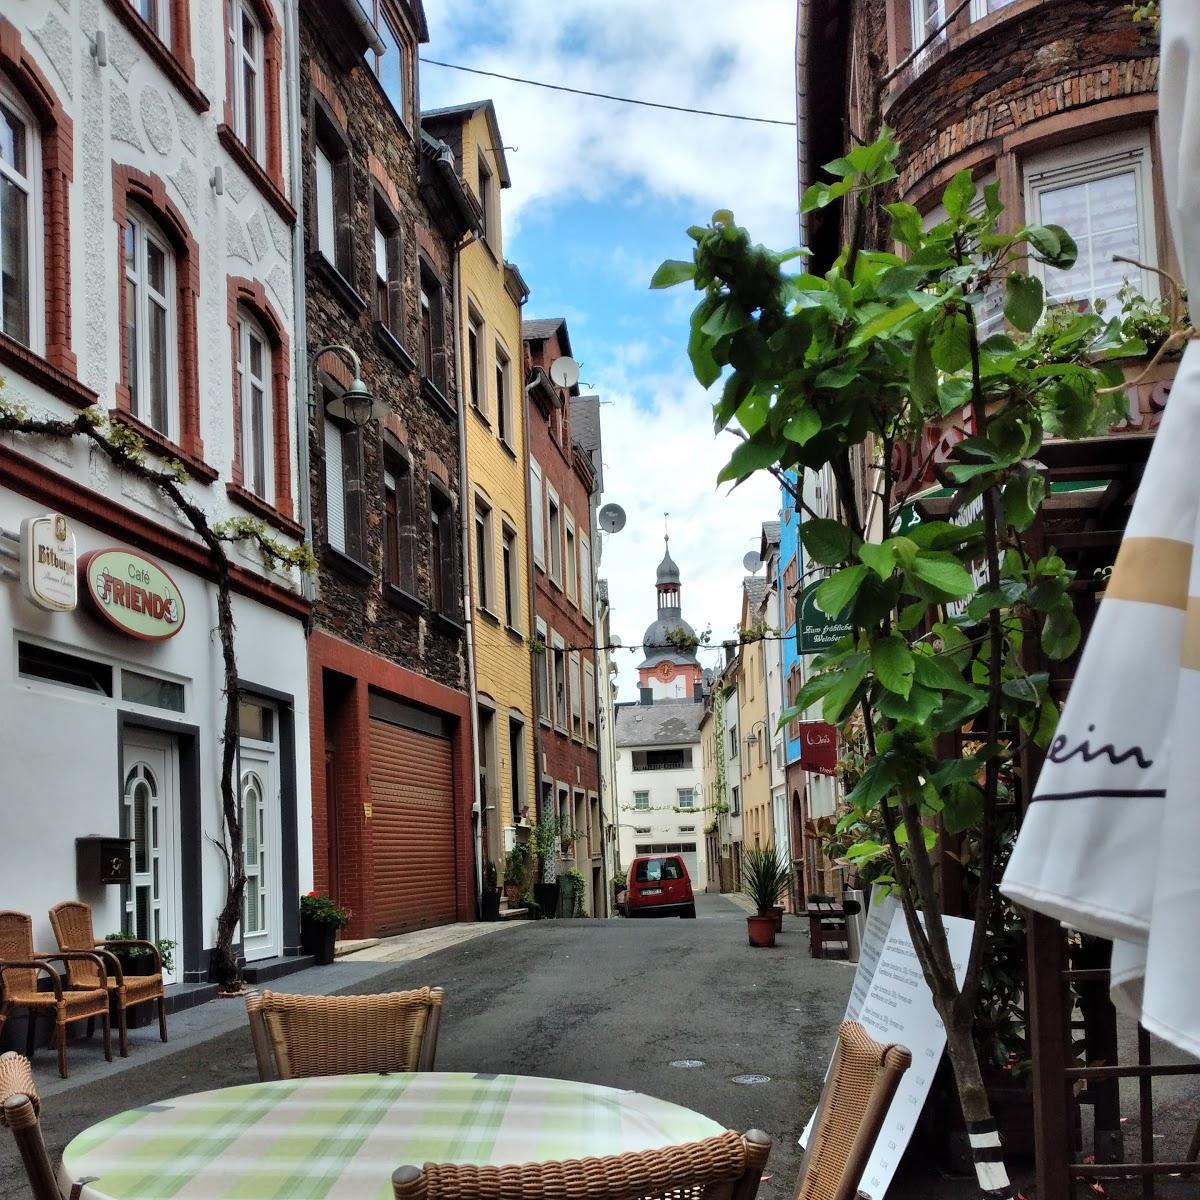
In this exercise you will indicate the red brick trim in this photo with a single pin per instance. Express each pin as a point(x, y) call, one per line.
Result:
point(63, 494)
point(250, 294)
point(57, 146)
point(174, 60)
point(150, 192)
point(384, 181)
point(272, 108)
point(45, 374)
point(260, 508)
point(394, 424)
point(323, 85)
point(436, 468)
point(197, 468)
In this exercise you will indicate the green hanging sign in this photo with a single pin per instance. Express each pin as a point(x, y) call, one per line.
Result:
point(817, 631)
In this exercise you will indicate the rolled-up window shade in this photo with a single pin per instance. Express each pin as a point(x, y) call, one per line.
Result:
point(335, 489)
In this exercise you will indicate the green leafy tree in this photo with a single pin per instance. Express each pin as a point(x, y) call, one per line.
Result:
point(838, 370)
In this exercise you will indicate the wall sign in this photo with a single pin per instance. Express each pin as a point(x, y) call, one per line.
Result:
point(48, 566)
point(816, 631)
point(818, 747)
point(133, 593)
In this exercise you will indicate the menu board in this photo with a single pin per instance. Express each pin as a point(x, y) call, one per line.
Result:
point(893, 1003)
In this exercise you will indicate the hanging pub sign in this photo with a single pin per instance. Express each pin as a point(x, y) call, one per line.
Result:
point(48, 568)
point(816, 631)
point(818, 747)
point(133, 593)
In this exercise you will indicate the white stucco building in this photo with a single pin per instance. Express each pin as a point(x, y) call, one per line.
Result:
point(149, 216)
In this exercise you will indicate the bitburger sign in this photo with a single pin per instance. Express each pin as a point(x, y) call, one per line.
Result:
point(133, 594)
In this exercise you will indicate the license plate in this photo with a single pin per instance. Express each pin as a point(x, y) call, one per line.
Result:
point(651, 891)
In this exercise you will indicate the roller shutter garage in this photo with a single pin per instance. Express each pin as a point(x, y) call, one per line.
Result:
point(413, 871)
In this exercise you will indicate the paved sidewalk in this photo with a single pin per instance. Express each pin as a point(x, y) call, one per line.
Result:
point(410, 946)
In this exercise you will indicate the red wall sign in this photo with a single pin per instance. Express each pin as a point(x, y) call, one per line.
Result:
point(818, 747)
point(133, 593)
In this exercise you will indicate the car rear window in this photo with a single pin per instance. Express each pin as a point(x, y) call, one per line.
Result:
point(654, 869)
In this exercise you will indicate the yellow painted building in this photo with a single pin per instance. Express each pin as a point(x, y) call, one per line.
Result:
point(492, 293)
point(755, 751)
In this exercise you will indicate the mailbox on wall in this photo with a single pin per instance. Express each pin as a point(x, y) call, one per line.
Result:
point(103, 860)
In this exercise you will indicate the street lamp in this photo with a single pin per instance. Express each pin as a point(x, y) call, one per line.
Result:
point(356, 405)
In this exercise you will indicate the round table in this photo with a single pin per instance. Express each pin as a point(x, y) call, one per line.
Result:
point(343, 1136)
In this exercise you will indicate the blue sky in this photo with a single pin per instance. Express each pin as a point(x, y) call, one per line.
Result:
point(601, 194)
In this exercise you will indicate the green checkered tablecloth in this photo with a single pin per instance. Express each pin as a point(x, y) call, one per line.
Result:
point(342, 1136)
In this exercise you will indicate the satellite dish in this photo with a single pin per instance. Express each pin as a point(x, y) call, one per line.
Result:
point(564, 372)
point(752, 562)
point(614, 641)
point(611, 516)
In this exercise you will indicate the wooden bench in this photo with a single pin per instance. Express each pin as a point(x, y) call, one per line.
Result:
point(827, 934)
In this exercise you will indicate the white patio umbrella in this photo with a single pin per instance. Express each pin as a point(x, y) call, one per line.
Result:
point(1110, 844)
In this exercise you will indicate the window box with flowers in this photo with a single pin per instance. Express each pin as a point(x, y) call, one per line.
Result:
point(320, 920)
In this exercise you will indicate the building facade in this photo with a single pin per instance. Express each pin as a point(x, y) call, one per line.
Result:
point(385, 211)
point(489, 305)
point(149, 264)
point(562, 480)
point(755, 751)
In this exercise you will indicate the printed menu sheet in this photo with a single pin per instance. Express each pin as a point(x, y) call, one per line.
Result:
point(892, 1001)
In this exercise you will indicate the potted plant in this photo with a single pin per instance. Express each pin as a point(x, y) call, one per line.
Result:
point(546, 890)
point(764, 877)
point(320, 920)
point(139, 960)
point(572, 891)
point(516, 862)
point(489, 897)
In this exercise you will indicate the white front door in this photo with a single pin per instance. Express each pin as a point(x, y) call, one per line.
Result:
point(262, 909)
point(150, 816)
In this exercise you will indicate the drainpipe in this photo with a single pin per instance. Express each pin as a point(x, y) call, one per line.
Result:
point(291, 19)
point(468, 612)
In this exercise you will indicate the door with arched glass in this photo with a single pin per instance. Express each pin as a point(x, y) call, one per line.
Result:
point(258, 791)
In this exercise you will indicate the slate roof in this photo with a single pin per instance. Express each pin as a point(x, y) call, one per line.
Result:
point(663, 723)
point(585, 422)
point(756, 591)
point(540, 329)
point(770, 532)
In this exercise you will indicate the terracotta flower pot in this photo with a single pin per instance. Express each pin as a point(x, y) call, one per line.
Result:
point(761, 929)
point(777, 910)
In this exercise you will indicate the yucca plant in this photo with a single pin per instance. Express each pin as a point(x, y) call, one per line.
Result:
point(764, 877)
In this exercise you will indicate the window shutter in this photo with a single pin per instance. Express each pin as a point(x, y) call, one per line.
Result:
point(335, 494)
point(537, 514)
point(326, 239)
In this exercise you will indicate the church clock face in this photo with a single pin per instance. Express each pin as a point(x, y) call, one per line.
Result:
point(665, 671)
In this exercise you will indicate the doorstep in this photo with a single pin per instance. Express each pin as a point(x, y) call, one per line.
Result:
point(353, 946)
point(265, 969)
point(181, 996)
point(514, 914)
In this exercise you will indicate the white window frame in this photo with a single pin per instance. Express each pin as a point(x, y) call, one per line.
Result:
point(680, 793)
point(31, 185)
point(575, 686)
point(510, 574)
point(537, 513)
point(239, 58)
point(485, 567)
point(249, 329)
point(160, 25)
point(504, 405)
point(920, 30)
point(545, 714)
point(326, 203)
point(557, 646)
point(477, 361)
point(554, 543)
point(1085, 162)
point(638, 806)
point(585, 576)
point(570, 556)
point(979, 8)
point(147, 230)
point(589, 703)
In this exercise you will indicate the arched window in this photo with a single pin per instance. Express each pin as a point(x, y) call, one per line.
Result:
point(254, 378)
point(151, 325)
point(20, 220)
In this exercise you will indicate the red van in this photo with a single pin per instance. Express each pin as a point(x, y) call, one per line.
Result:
point(658, 884)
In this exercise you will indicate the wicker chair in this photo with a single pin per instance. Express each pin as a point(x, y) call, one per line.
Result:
point(19, 1108)
point(296, 1036)
point(72, 924)
point(858, 1092)
point(726, 1167)
point(19, 968)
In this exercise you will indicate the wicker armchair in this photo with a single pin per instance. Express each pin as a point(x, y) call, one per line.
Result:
point(19, 1109)
point(296, 1036)
point(726, 1167)
point(72, 925)
point(858, 1092)
point(19, 969)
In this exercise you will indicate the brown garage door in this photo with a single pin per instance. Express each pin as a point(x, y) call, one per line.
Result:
point(413, 877)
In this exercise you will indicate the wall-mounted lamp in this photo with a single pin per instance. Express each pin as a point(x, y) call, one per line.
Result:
point(356, 405)
point(217, 182)
point(100, 48)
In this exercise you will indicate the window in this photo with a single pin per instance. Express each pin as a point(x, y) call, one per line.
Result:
point(485, 558)
point(576, 696)
point(151, 691)
point(510, 566)
point(663, 760)
point(332, 189)
point(504, 416)
point(542, 668)
point(489, 781)
point(1100, 193)
point(345, 519)
point(641, 829)
point(400, 530)
point(572, 563)
point(641, 801)
point(157, 15)
point(735, 802)
point(559, 679)
point(443, 571)
point(589, 702)
point(981, 8)
point(537, 514)
point(388, 293)
point(654, 870)
point(685, 798)
point(585, 577)
point(554, 535)
point(20, 211)
point(516, 766)
point(390, 67)
point(927, 17)
point(150, 324)
point(733, 741)
point(433, 342)
point(254, 392)
point(53, 666)
point(687, 829)
point(245, 67)
point(487, 200)
point(475, 363)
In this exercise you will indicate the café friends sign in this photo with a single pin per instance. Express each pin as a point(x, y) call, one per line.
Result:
point(133, 594)
point(48, 567)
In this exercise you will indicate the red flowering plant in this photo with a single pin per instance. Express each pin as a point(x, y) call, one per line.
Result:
point(323, 911)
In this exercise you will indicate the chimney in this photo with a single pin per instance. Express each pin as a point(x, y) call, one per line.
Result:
point(645, 695)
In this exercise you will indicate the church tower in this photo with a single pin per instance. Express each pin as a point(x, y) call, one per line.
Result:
point(671, 671)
